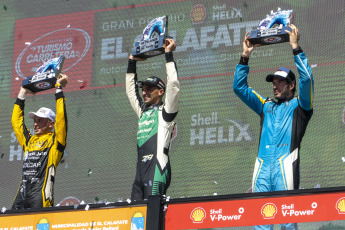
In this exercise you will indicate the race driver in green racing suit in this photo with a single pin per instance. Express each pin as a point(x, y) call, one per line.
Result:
point(155, 126)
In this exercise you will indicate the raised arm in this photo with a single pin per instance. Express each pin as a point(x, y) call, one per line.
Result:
point(173, 85)
point(61, 113)
point(132, 86)
point(306, 80)
point(240, 84)
point(22, 132)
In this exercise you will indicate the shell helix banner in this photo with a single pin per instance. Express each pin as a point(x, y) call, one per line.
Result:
point(133, 218)
point(257, 211)
point(215, 143)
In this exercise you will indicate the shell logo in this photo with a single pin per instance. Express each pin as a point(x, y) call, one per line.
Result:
point(198, 14)
point(198, 215)
point(269, 210)
point(340, 205)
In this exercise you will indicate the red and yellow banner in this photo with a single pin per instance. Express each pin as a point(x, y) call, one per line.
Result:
point(100, 219)
point(256, 211)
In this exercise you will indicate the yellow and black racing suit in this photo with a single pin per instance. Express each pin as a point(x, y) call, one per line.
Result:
point(42, 154)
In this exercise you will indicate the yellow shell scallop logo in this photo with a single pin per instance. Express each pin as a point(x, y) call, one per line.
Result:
point(198, 14)
point(340, 205)
point(198, 215)
point(269, 210)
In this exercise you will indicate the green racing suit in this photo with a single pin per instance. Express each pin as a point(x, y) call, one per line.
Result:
point(155, 128)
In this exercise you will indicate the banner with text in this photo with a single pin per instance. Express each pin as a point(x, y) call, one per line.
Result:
point(256, 211)
point(133, 218)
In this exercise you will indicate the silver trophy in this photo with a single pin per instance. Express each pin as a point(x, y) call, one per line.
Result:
point(153, 39)
point(271, 30)
point(45, 76)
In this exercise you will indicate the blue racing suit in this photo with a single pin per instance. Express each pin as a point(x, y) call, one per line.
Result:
point(283, 124)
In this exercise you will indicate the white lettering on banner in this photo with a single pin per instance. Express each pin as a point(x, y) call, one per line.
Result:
point(54, 47)
point(284, 206)
point(222, 36)
point(69, 225)
point(221, 13)
point(204, 37)
point(110, 228)
point(43, 57)
point(216, 133)
point(176, 18)
point(19, 228)
point(13, 138)
point(218, 215)
point(112, 48)
point(198, 60)
point(213, 211)
point(289, 210)
point(14, 152)
point(109, 51)
point(46, 52)
point(114, 25)
point(131, 23)
point(190, 41)
point(115, 222)
point(198, 120)
point(298, 213)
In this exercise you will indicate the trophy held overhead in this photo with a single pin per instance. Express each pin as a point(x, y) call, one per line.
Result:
point(271, 30)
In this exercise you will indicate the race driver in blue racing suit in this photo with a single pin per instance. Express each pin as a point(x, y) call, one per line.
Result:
point(283, 121)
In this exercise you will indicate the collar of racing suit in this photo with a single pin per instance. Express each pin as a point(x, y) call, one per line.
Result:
point(152, 106)
point(279, 101)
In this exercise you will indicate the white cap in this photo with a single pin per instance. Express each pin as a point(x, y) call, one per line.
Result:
point(44, 113)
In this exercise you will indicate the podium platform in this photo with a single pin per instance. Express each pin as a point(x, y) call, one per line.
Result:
point(209, 212)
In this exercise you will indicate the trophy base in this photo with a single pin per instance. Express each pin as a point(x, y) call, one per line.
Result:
point(269, 36)
point(45, 80)
point(39, 86)
point(150, 47)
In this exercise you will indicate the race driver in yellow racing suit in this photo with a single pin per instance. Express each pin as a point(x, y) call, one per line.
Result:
point(42, 151)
